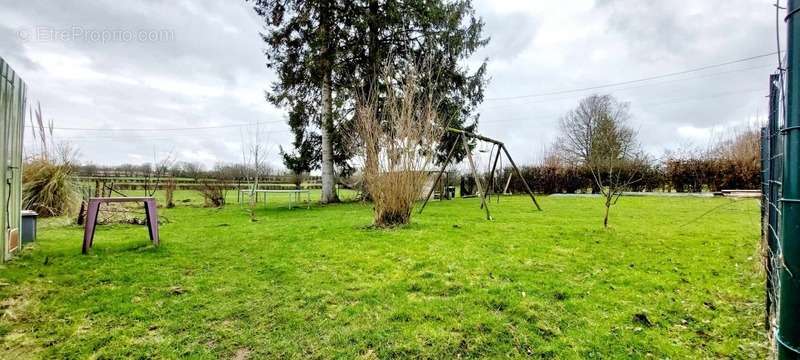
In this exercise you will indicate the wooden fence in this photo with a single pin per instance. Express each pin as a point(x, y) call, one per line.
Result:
point(272, 179)
point(143, 183)
point(12, 120)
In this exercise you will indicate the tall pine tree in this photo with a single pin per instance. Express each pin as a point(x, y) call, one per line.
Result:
point(398, 33)
point(328, 53)
point(302, 38)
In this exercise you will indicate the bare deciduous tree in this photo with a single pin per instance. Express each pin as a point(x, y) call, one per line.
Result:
point(214, 189)
point(596, 135)
point(254, 158)
point(152, 175)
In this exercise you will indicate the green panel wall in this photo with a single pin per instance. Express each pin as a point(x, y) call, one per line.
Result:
point(12, 126)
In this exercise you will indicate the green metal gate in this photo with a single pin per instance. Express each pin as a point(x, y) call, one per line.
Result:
point(12, 115)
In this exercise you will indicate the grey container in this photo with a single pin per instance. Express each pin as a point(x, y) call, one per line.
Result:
point(28, 226)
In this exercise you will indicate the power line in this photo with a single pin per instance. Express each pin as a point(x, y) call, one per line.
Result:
point(566, 91)
point(670, 101)
point(165, 129)
point(661, 76)
point(122, 137)
point(617, 90)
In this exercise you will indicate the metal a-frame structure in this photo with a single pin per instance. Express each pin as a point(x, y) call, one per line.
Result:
point(463, 137)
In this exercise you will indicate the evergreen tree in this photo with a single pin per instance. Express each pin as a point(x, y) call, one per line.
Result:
point(398, 33)
point(328, 53)
point(302, 38)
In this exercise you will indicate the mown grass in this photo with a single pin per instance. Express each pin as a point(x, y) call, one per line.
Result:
point(669, 279)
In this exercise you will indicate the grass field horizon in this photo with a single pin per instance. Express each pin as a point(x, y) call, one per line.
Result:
point(671, 278)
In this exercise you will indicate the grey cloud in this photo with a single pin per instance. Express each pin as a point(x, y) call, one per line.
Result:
point(216, 48)
point(653, 28)
point(510, 35)
point(10, 42)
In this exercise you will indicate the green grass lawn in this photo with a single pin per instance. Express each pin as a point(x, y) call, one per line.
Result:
point(672, 278)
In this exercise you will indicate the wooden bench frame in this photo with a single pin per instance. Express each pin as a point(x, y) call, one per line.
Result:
point(93, 208)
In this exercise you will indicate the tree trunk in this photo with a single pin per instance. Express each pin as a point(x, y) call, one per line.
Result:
point(608, 208)
point(327, 60)
point(328, 180)
point(371, 82)
point(254, 191)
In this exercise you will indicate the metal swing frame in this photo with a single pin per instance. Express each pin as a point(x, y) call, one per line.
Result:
point(463, 139)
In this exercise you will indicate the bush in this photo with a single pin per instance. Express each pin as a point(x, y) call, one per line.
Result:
point(696, 175)
point(213, 192)
point(567, 179)
point(49, 188)
point(399, 141)
point(549, 179)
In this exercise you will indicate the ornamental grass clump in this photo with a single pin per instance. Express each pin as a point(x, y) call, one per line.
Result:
point(50, 187)
point(399, 134)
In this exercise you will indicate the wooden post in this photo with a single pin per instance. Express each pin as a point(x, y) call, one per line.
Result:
point(90, 224)
point(93, 208)
point(491, 184)
point(477, 178)
point(508, 183)
point(528, 188)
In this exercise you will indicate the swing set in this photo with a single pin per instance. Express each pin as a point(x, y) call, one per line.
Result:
point(463, 138)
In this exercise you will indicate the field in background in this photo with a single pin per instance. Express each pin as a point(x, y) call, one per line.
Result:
point(673, 277)
point(191, 198)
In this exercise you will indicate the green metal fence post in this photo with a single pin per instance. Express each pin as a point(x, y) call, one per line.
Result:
point(772, 188)
point(788, 334)
point(764, 177)
point(765, 155)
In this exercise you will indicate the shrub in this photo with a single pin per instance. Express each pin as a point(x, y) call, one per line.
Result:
point(213, 192)
point(399, 141)
point(49, 188)
point(563, 178)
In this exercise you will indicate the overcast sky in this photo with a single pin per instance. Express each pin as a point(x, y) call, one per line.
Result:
point(177, 64)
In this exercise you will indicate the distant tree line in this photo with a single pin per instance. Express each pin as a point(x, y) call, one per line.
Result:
point(730, 164)
point(181, 169)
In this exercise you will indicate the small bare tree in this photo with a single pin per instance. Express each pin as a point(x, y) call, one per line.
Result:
point(213, 188)
point(596, 135)
point(254, 154)
point(153, 175)
point(398, 145)
point(169, 192)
